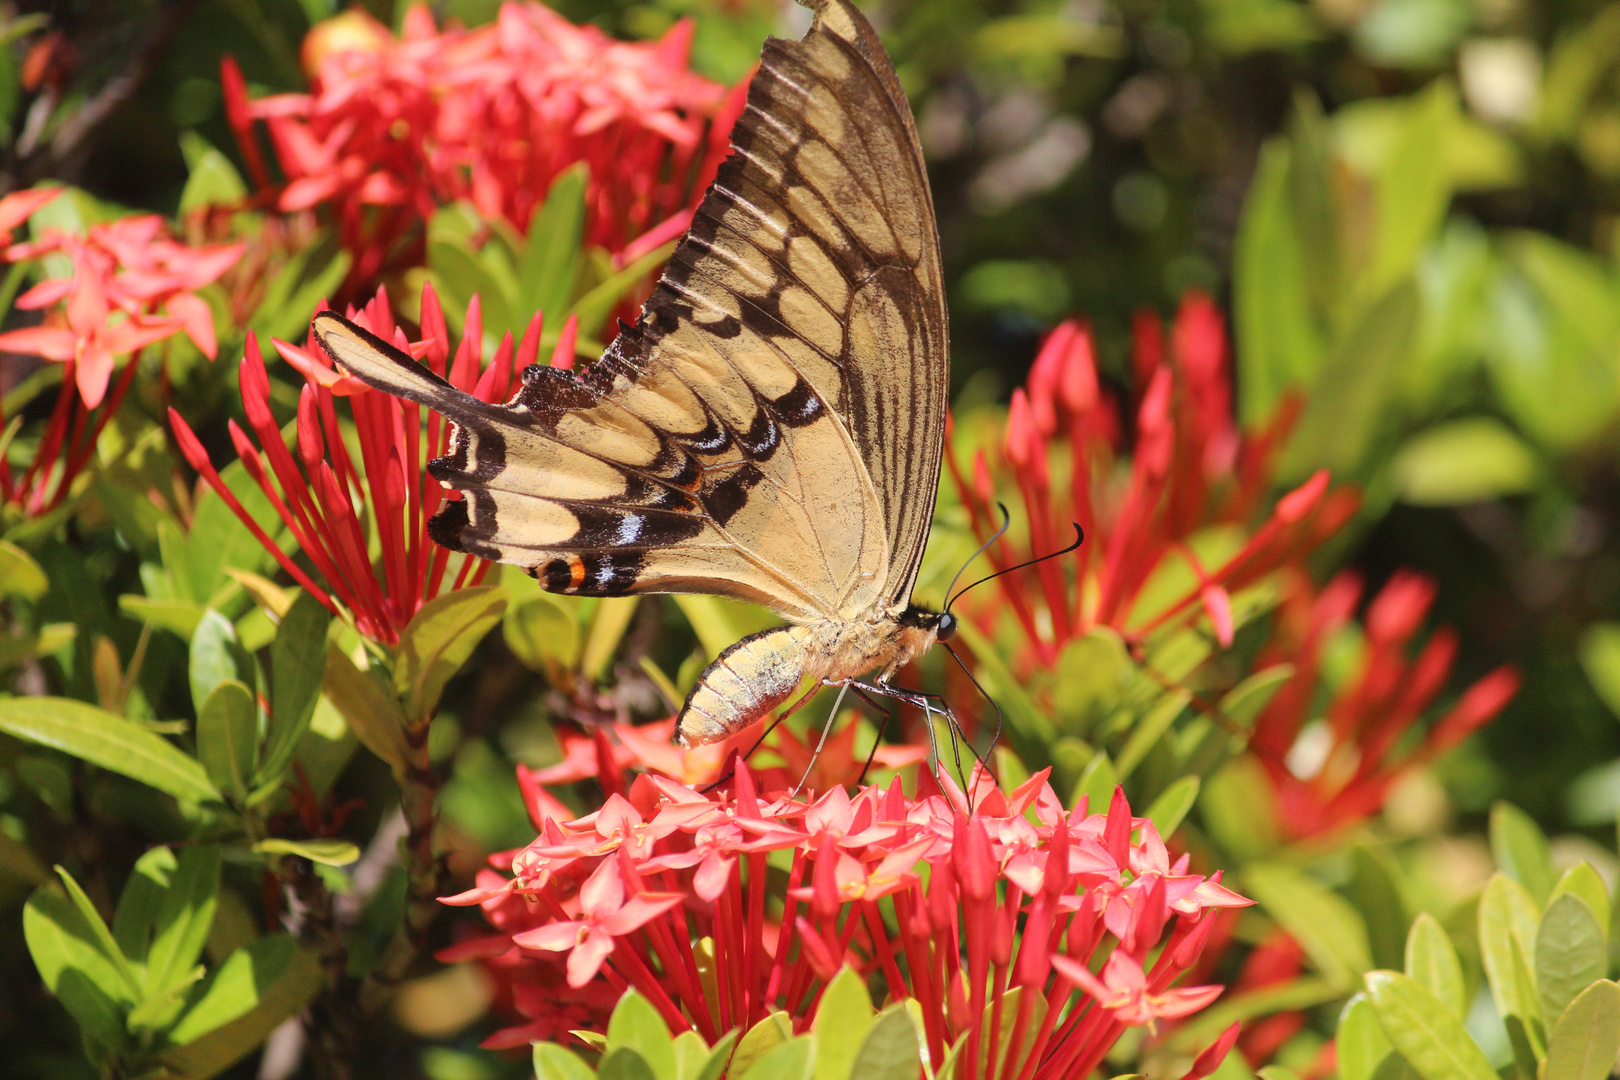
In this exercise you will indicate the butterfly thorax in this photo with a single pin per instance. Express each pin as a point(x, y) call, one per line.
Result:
point(763, 670)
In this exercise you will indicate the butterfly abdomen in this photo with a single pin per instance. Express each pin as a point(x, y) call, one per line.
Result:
point(744, 683)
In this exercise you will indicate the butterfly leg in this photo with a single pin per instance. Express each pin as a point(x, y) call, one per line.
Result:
point(931, 705)
point(825, 728)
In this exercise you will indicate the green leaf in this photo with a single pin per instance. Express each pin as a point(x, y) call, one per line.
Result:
point(1375, 891)
point(1424, 1030)
point(179, 616)
point(1096, 784)
point(889, 1051)
point(637, 1025)
point(74, 967)
point(212, 180)
point(623, 1063)
point(216, 656)
point(719, 1056)
point(1507, 921)
point(1520, 850)
point(1582, 880)
point(790, 1061)
point(542, 634)
point(101, 935)
point(1572, 953)
point(1173, 804)
point(552, 1062)
point(608, 626)
point(207, 1055)
point(236, 986)
point(1432, 962)
point(370, 711)
point(228, 738)
point(594, 307)
point(548, 268)
point(1147, 732)
point(438, 640)
point(760, 1040)
point(842, 1020)
point(187, 913)
point(1465, 461)
point(1238, 809)
point(326, 852)
point(1012, 1056)
point(109, 741)
point(1326, 926)
point(138, 905)
point(1586, 1038)
point(1091, 673)
point(20, 575)
point(1600, 656)
point(1361, 1043)
point(298, 667)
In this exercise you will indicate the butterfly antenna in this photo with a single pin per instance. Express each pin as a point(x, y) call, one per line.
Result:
point(1079, 538)
point(1006, 523)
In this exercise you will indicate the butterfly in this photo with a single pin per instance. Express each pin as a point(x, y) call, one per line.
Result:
point(771, 427)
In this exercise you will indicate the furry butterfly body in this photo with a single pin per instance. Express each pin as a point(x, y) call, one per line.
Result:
point(771, 428)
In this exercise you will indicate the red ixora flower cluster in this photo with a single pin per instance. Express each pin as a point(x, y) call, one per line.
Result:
point(1331, 772)
point(394, 128)
point(1191, 467)
point(989, 912)
point(131, 286)
point(324, 497)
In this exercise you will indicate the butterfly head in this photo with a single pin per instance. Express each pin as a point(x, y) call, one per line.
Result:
point(939, 625)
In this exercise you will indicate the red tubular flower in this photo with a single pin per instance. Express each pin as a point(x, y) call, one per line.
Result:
point(668, 891)
point(393, 128)
point(1191, 468)
point(323, 495)
point(1331, 772)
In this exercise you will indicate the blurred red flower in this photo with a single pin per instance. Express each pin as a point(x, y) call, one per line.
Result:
point(394, 128)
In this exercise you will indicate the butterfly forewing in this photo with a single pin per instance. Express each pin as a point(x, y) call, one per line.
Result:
point(771, 427)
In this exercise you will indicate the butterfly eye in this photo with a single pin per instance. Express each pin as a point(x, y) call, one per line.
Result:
point(945, 627)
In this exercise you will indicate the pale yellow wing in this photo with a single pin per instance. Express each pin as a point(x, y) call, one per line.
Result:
point(771, 426)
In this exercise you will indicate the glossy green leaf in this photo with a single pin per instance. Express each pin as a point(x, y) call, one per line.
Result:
point(1424, 1030)
point(1150, 729)
point(1508, 918)
point(1096, 784)
point(1572, 953)
point(760, 1040)
point(623, 1063)
point(297, 669)
point(594, 307)
point(1584, 881)
point(228, 738)
point(1375, 891)
point(1173, 804)
point(101, 935)
point(438, 641)
point(548, 267)
point(108, 741)
point(211, 179)
point(1239, 810)
point(1277, 1072)
point(178, 616)
point(542, 634)
point(285, 996)
point(842, 1019)
point(1432, 962)
point(552, 1062)
point(1011, 1056)
point(216, 656)
point(793, 1060)
point(367, 706)
point(327, 852)
point(1091, 672)
point(186, 914)
point(1361, 1045)
point(637, 1025)
point(1520, 850)
point(1586, 1039)
point(235, 988)
point(608, 627)
point(715, 1063)
point(1325, 925)
point(74, 967)
point(1464, 461)
point(888, 1052)
point(140, 901)
point(20, 575)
